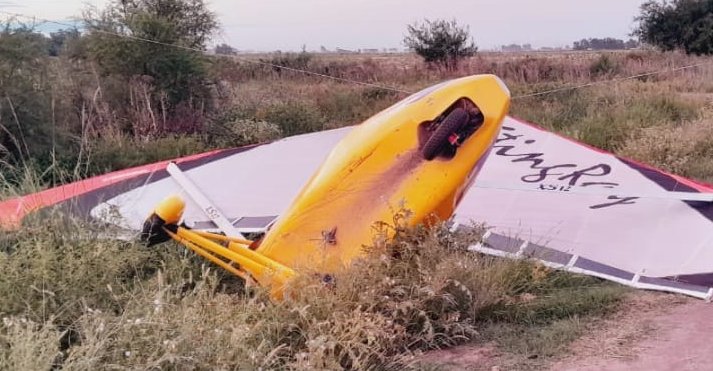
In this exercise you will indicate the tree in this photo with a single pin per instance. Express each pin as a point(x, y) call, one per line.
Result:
point(177, 31)
point(225, 49)
point(25, 120)
point(677, 24)
point(440, 42)
point(608, 43)
point(59, 41)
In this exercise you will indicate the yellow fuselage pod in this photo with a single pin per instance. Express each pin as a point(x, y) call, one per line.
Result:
point(377, 170)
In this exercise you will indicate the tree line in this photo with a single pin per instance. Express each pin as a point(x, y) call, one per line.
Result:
point(685, 25)
point(608, 43)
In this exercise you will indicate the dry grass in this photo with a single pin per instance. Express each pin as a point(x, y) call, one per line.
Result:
point(616, 337)
point(251, 103)
point(607, 116)
point(73, 300)
point(684, 149)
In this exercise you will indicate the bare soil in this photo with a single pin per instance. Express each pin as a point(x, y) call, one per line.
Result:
point(652, 331)
point(658, 332)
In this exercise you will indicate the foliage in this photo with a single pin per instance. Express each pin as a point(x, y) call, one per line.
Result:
point(607, 118)
point(117, 153)
point(232, 129)
point(604, 44)
point(61, 40)
point(25, 131)
point(299, 61)
point(294, 117)
point(441, 42)
point(678, 24)
point(224, 49)
point(177, 29)
point(604, 65)
point(683, 149)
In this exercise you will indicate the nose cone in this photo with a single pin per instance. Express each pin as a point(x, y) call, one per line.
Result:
point(170, 210)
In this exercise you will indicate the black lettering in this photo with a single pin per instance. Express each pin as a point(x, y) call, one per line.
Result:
point(596, 170)
point(544, 173)
point(617, 201)
point(507, 136)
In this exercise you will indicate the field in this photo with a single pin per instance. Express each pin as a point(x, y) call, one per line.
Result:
point(73, 300)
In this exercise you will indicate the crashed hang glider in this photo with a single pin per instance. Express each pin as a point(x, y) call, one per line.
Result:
point(422, 152)
point(544, 196)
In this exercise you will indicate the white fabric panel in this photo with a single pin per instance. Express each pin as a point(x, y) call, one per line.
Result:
point(258, 182)
point(651, 236)
point(536, 186)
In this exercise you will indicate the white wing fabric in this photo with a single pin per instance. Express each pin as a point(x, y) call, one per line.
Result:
point(544, 196)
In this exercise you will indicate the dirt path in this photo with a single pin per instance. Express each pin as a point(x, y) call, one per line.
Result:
point(658, 333)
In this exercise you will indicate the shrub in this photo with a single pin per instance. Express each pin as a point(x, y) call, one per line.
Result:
point(234, 131)
point(299, 61)
point(25, 114)
point(294, 117)
point(604, 66)
point(179, 73)
point(441, 42)
point(607, 118)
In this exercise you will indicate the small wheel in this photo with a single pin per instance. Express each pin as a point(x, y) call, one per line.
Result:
point(453, 123)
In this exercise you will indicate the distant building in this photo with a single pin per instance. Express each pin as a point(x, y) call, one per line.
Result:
point(515, 48)
point(346, 51)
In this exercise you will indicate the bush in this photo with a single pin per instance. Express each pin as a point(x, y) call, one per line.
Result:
point(27, 345)
point(294, 118)
point(231, 130)
point(681, 24)
point(179, 73)
point(604, 66)
point(441, 42)
point(25, 115)
point(299, 61)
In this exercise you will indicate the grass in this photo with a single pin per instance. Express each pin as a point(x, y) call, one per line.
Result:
point(72, 300)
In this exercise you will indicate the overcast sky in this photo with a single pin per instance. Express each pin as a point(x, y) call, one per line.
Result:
point(288, 24)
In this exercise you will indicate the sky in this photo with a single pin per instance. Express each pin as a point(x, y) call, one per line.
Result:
point(266, 25)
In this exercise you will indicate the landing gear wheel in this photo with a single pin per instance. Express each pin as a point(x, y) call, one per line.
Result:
point(453, 123)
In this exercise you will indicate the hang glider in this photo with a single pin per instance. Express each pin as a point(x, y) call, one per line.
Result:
point(542, 195)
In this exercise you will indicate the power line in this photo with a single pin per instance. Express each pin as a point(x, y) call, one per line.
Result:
point(362, 83)
point(273, 65)
point(615, 80)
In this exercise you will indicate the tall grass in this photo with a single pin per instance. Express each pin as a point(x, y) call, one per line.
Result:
point(91, 119)
point(71, 299)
